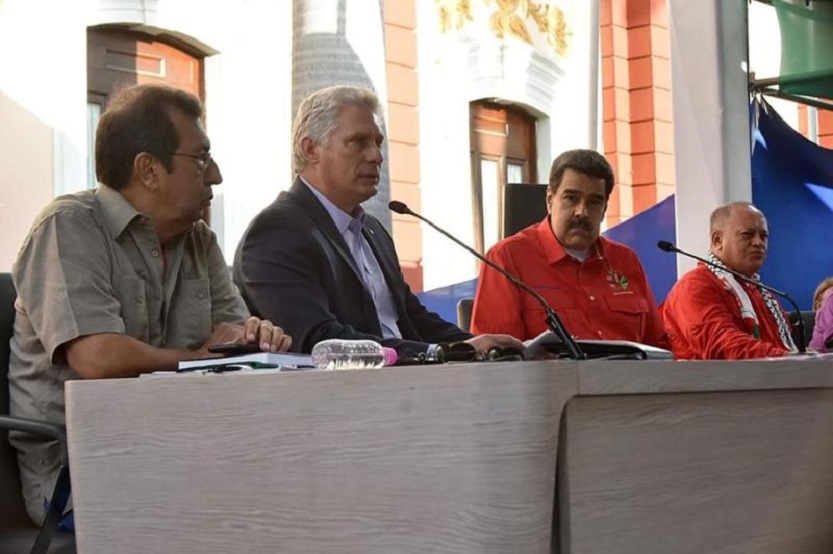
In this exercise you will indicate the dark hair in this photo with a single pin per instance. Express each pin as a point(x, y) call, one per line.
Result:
point(587, 162)
point(138, 120)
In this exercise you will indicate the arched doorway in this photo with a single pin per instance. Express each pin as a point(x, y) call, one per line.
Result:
point(503, 153)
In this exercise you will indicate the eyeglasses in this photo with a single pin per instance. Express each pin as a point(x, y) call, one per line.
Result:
point(204, 160)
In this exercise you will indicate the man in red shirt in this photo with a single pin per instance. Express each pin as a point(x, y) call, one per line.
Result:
point(710, 315)
point(596, 285)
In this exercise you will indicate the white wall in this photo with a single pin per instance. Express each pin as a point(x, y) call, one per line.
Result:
point(42, 134)
point(43, 97)
point(460, 66)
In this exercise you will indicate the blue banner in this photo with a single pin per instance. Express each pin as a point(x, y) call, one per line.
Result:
point(792, 183)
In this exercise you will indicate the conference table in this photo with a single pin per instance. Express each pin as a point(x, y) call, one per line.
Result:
point(502, 457)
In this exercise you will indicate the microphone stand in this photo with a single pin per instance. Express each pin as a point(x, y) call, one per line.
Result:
point(801, 340)
point(552, 320)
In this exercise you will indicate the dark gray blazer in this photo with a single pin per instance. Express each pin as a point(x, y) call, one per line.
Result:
point(294, 268)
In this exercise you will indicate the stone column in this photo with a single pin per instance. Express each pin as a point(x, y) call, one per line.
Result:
point(341, 42)
point(711, 114)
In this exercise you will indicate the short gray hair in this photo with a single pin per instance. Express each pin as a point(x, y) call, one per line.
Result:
point(318, 114)
point(721, 215)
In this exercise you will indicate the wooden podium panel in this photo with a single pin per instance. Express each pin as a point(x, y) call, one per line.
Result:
point(740, 464)
point(653, 457)
point(457, 458)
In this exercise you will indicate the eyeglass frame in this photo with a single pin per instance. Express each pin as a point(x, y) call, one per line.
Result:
point(205, 160)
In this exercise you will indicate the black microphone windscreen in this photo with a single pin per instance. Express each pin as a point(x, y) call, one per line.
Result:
point(665, 246)
point(398, 207)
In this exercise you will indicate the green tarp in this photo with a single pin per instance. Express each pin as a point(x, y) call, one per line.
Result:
point(806, 47)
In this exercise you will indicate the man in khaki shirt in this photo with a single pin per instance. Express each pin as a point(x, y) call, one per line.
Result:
point(125, 279)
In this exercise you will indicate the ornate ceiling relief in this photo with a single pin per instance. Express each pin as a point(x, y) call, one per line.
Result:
point(510, 17)
point(453, 13)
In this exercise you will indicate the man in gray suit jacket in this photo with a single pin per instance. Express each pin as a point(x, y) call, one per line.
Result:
point(315, 257)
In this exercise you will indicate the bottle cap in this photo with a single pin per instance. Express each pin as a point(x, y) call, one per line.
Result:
point(390, 355)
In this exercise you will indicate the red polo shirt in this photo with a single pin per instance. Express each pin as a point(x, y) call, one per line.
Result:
point(605, 297)
point(703, 321)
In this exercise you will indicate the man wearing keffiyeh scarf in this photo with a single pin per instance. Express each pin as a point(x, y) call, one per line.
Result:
point(711, 315)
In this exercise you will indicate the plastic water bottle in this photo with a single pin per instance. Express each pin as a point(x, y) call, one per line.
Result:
point(351, 354)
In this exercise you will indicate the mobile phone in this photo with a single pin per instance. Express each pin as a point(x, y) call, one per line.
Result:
point(234, 349)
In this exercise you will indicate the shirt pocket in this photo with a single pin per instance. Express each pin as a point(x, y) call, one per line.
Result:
point(630, 308)
point(189, 319)
point(132, 295)
point(563, 302)
point(557, 299)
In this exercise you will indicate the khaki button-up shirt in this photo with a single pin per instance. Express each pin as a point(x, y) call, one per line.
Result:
point(93, 264)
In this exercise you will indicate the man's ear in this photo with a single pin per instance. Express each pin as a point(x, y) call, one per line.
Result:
point(550, 196)
point(146, 169)
point(717, 241)
point(310, 150)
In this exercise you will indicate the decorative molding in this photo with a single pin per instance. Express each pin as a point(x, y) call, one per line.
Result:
point(510, 17)
point(513, 72)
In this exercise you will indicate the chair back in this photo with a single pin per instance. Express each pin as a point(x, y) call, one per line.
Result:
point(809, 317)
point(464, 307)
point(12, 510)
point(523, 205)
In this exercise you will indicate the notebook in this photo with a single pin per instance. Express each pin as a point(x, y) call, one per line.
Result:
point(258, 360)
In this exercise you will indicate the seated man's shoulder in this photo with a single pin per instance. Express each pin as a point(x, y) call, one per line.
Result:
point(279, 227)
point(78, 203)
point(619, 252)
point(80, 206)
point(698, 274)
point(519, 243)
point(615, 247)
point(695, 282)
point(284, 211)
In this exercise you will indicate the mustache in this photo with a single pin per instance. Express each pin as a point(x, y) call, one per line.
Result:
point(580, 223)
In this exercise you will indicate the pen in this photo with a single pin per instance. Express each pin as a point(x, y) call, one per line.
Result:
point(211, 368)
point(225, 368)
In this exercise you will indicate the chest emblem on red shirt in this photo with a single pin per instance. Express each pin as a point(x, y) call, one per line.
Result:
point(616, 279)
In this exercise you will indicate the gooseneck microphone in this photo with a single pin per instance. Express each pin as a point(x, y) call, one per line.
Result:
point(552, 320)
point(801, 340)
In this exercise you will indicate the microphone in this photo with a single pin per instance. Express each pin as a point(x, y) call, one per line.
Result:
point(801, 340)
point(553, 321)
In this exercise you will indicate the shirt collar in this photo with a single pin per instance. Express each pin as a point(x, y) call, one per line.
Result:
point(555, 252)
point(117, 211)
point(341, 218)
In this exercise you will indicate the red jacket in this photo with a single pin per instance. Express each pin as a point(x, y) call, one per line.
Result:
point(703, 321)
